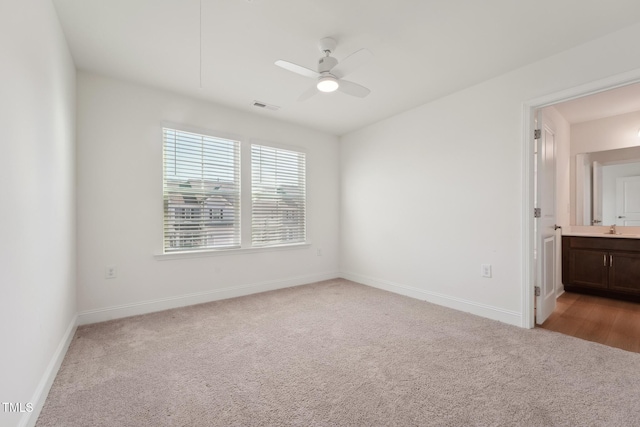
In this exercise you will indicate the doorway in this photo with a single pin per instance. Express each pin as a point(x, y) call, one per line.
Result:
point(529, 223)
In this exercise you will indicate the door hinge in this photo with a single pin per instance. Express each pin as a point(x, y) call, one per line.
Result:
point(537, 134)
point(537, 213)
point(536, 291)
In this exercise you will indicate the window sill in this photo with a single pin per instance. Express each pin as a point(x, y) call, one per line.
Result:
point(221, 252)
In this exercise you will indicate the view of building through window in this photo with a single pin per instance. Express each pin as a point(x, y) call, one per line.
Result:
point(278, 197)
point(202, 193)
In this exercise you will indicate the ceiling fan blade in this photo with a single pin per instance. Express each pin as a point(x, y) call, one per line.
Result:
point(354, 89)
point(298, 69)
point(351, 62)
point(308, 93)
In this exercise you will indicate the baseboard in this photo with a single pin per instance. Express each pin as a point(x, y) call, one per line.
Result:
point(143, 307)
point(29, 418)
point(484, 310)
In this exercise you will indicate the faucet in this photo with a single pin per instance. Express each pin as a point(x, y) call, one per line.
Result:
point(612, 229)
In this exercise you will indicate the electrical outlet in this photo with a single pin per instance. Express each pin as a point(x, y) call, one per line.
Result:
point(319, 252)
point(110, 272)
point(485, 270)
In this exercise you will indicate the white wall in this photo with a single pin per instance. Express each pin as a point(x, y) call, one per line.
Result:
point(605, 134)
point(431, 194)
point(120, 204)
point(37, 219)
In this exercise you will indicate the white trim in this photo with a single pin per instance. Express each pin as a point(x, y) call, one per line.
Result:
point(143, 307)
point(528, 194)
point(591, 88)
point(528, 110)
point(460, 304)
point(29, 419)
point(234, 251)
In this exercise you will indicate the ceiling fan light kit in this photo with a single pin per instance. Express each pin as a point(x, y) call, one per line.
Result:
point(330, 72)
point(327, 84)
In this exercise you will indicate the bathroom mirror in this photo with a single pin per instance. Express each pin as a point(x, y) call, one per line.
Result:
point(607, 183)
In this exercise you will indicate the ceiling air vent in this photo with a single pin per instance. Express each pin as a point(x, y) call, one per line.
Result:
point(264, 105)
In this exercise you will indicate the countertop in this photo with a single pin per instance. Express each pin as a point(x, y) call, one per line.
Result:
point(596, 234)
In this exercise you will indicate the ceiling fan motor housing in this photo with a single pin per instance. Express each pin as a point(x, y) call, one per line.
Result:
point(326, 63)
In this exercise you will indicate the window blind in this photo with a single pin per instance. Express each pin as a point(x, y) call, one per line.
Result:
point(201, 182)
point(278, 195)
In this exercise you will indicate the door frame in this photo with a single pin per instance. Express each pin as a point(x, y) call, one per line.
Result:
point(528, 126)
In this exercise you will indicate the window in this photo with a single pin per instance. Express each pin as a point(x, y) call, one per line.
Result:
point(201, 182)
point(202, 193)
point(278, 213)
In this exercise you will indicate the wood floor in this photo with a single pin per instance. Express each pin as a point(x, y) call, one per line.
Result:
point(606, 321)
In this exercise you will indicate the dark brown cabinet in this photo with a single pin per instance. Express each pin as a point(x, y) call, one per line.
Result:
point(624, 272)
point(606, 266)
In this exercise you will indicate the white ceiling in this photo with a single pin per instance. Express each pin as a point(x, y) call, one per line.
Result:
point(423, 49)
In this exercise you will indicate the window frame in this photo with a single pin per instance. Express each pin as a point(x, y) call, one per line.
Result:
point(246, 207)
point(284, 213)
point(187, 212)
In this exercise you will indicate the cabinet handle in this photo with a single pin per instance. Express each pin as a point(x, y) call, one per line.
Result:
point(610, 260)
point(604, 259)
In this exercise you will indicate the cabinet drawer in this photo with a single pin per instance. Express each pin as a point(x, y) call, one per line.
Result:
point(602, 243)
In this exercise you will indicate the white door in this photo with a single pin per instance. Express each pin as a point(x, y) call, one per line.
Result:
point(628, 201)
point(546, 223)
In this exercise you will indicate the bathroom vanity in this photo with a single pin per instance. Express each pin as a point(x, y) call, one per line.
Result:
point(602, 265)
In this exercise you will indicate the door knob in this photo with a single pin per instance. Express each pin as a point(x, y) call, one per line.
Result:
point(556, 226)
point(622, 216)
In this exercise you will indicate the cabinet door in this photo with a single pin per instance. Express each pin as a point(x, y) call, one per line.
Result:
point(624, 272)
point(588, 268)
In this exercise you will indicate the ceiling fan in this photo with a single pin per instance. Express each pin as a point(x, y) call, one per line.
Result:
point(330, 73)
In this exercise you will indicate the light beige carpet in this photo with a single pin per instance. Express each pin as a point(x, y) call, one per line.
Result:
point(336, 353)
